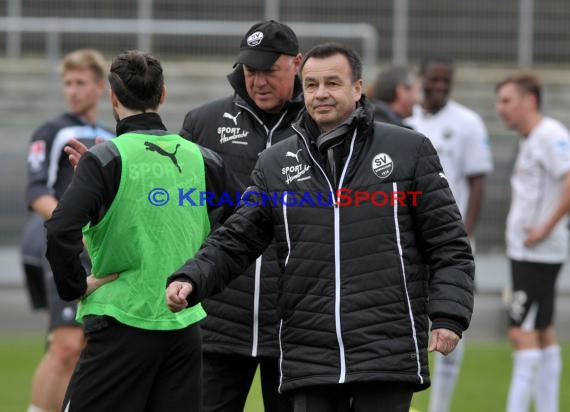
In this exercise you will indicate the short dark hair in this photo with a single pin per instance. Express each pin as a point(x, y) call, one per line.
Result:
point(136, 79)
point(325, 50)
point(526, 83)
point(388, 81)
point(427, 60)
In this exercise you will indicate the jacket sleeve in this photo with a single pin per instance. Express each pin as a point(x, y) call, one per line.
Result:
point(224, 186)
point(444, 243)
point(90, 192)
point(231, 248)
point(186, 131)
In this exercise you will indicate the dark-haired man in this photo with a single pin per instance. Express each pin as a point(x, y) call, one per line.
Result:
point(139, 196)
point(355, 280)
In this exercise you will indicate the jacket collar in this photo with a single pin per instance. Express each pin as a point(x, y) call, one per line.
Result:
point(143, 121)
point(79, 120)
point(331, 149)
point(362, 118)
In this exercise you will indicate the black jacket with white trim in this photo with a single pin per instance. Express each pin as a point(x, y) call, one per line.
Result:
point(243, 319)
point(357, 282)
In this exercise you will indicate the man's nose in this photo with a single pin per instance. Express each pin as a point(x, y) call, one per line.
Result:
point(71, 88)
point(441, 85)
point(321, 92)
point(260, 79)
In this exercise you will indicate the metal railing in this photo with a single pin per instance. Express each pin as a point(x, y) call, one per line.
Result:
point(524, 32)
point(143, 28)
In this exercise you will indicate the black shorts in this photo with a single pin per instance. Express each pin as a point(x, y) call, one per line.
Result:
point(32, 253)
point(127, 369)
point(61, 313)
point(532, 302)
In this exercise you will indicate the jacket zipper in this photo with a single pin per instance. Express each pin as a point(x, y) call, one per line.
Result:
point(338, 326)
point(257, 276)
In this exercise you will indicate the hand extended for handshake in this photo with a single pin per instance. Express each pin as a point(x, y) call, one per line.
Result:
point(176, 294)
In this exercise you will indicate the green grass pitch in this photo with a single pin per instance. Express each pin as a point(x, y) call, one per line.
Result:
point(482, 386)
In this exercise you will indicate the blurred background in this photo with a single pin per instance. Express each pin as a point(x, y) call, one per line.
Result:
point(197, 41)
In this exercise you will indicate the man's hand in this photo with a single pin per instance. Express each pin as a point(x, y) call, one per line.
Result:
point(94, 283)
point(535, 235)
point(443, 341)
point(75, 149)
point(176, 294)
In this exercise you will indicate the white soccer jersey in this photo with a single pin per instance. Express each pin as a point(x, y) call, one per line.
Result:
point(460, 138)
point(537, 183)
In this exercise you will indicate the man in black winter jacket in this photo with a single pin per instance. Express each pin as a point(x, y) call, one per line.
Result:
point(240, 331)
point(370, 243)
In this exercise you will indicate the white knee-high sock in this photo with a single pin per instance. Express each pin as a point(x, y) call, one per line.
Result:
point(445, 377)
point(34, 408)
point(525, 365)
point(547, 385)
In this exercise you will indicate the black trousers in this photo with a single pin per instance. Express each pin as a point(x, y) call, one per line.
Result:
point(135, 370)
point(354, 397)
point(227, 379)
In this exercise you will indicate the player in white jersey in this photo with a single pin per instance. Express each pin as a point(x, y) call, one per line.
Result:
point(537, 241)
point(461, 141)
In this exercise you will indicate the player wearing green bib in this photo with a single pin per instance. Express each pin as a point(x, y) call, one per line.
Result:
point(136, 200)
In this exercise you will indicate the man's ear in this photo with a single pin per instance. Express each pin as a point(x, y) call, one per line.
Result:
point(530, 102)
point(101, 87)
point(297, 62)
point(399, 92)
point(114, 100)
point(162, 95)
point(357, 91)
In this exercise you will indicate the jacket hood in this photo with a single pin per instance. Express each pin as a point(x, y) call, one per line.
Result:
point(237, 80)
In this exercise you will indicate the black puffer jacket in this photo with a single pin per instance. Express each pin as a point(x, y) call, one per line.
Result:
point(358, 282)
point(243, 318)
point(383, 113)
